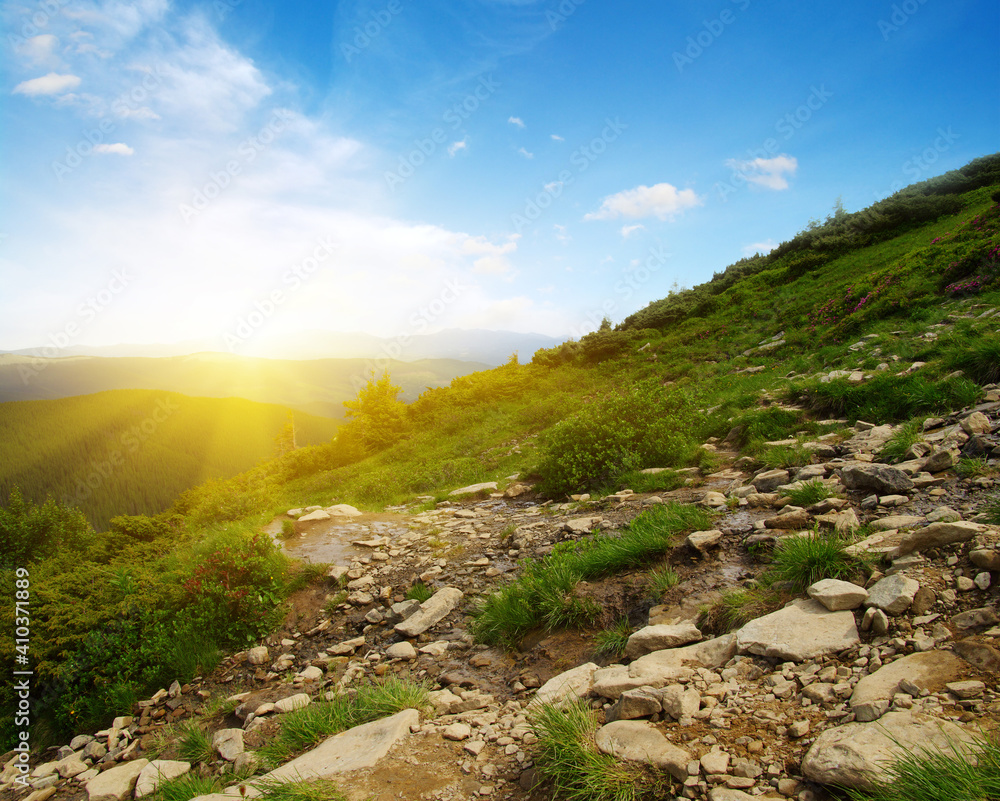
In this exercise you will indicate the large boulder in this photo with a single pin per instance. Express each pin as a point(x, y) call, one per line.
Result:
point(837, 595)
point(857, 755)
point(928, 670)
point(664, 667)
point(474, 489)
point(770, 481)
point(157, 771)
point(805, 629)
point(893, 594)
point(568, 686)
point(637, 741)
point(117, 783)
point(656, 638)
point(432, 611)
point(937, 534)
point(878, 478)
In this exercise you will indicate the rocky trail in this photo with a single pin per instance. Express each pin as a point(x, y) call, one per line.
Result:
point(814, 695)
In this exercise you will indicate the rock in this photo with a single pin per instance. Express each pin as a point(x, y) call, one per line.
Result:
point(663, 667)
point(474, 489)
point(980, 655)
point(976, 423)
point(656, 638)
point(457, 732)
point(837, 595)
point(982, 581)
point(987, 559)
point(71, 766)
point(354, 749)
point(680, 702)
point(117, 783)
point(703, 541)
point(893, 594)
point(636, 741)
point(937, 534)
point(939, 459)
point(966, 689)
point(973, 618)
point(878, 478)
point(319, 514)
point(857, 755)
point(311, 673)
point(964, 584)
point(802, 630)
point(634, 704)
point(575, 683)
point(258, 655)
point(929, 670)
point(897, 521)
point(292, 703)
point(876, 621)
point(342, 510)
point(770, 481)
point(795, 520)
point(582, 525)
point(715, 762)
point(401, 650)
point(713, 500)
point(159, 770)
point(432, 611)
point(80, 741)
point(943, 514)
point(228, 743)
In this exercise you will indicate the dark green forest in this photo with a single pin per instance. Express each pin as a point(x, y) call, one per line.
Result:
point(134, 451)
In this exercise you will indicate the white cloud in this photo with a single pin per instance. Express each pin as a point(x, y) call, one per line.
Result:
point(40, 50)
point(516, 121)
point(759, 247)
point(557, 138)
point(561, 234)
point(663, 201)
point(120, 148)
point(628, 230)
point(525, 153)
point(51, 84)
point(767, 173)
point(454, 147)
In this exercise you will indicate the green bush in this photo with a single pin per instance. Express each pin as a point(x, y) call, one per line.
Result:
point(641, 427)
point(30, 532)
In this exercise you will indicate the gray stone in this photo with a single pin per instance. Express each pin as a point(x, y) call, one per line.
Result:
point(943, 514)
point(966, 689)
point(703, 541)
point(354, 749)
point(656, 638)
point(228, 743)
point(715, 762)
point(582, 525)
point(897, 521)
point(976, 423)
point(342, 510)
point(893, 594)
point(937, 534)
point(159, 770)
point(680, 702)
point(572, 684)
point(857, 755)
point(928, 670)
point(474, 489)
point(878, 478)
point(973, 618)
point(982, 580)
point(292, 703)
point(432, 611)
point(312, 517)
point(940, 459)
point(258, 655)
point(457, 732)
point(770, 480)
point(117, 783)
point(713, 500)
point(876, 621)
point(636, 741)
point(802, 630)
point(664, 667)
point(634, 704)
point(837, 595)
point(401, 650)
point(986, 559)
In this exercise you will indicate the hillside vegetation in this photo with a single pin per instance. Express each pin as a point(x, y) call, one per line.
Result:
point(586, 415)
point(134, 451)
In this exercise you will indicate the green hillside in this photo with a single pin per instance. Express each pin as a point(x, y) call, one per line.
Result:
point(913, 279)
point(134, 451)
point(318, 386)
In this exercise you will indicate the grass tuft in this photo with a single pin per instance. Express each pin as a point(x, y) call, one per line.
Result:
point(419, 592)
point(195, 744)
point(975, 467)
point(739, 606)
point(805, 560)
point(966, 773)
point(809, 493)
point(316, 790)
point(992, 510)
point(190, 785)
point(567, 757)
point(612, 641)
point(662, 580)
point(902, 440)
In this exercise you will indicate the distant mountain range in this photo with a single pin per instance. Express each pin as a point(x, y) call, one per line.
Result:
point(318, 386)
point(489, 348)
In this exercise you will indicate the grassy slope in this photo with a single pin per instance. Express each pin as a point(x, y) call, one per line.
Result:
point(135, 451)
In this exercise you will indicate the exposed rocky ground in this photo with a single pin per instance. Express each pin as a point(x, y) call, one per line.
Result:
point(813, 695)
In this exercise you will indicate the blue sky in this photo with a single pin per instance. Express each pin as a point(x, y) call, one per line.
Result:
point(239, 170)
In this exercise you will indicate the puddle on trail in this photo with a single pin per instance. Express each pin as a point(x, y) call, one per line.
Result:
point(330, 540)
